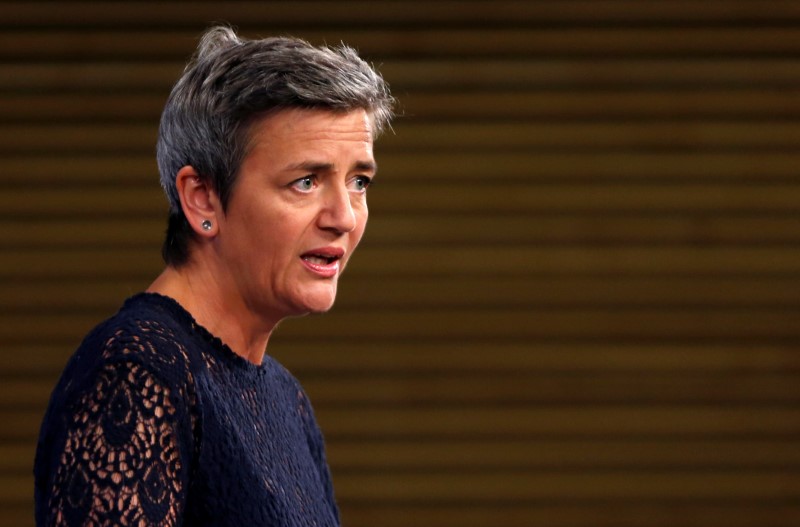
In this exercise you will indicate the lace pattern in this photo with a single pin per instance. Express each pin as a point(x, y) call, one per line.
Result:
point(121, 464)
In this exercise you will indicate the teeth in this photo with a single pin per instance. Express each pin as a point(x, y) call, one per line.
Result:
point(319, 260)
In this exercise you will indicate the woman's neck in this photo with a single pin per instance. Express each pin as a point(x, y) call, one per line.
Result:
point(214, 307)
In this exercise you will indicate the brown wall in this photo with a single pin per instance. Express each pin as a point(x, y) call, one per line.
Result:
point(578, 301)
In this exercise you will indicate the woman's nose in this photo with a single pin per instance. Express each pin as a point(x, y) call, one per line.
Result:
point(337, 211)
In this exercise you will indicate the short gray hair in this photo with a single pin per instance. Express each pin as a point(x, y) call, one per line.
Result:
point(227, 85)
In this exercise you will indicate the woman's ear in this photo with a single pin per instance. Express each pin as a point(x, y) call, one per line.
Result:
point(199, 202)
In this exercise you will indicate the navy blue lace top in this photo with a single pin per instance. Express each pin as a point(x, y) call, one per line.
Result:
point(156, 422)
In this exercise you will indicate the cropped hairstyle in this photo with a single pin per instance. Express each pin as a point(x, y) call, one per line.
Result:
point(228, 84)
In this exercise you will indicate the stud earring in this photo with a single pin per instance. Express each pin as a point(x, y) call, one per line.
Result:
point(206, 225)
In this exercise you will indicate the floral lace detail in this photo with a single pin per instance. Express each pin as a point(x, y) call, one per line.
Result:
point(148, 339)
point(121, 464)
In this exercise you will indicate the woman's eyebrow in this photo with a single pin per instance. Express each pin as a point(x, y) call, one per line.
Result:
point(311, 166)
point(366, 166)
point(314, 166)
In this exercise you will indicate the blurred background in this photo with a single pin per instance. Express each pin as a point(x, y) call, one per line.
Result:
point(578, 299)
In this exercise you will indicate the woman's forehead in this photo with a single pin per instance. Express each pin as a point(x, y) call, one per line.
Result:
point(298, 139)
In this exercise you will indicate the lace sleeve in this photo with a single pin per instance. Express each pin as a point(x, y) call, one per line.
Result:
point(122, 461)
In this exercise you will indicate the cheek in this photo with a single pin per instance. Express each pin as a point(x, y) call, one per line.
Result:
point(281, 229)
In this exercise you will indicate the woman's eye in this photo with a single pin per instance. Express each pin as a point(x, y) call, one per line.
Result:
point(360, 183)
point(304, 183)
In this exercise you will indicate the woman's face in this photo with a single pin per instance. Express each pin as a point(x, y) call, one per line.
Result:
point(298, 210)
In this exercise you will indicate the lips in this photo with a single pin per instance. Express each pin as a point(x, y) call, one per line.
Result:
point(323, 261)
point(319, 260)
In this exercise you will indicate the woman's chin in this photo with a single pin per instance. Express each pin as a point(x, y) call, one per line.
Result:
point(319, 301)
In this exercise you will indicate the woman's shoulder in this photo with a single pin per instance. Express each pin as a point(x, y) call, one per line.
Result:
point(127, 388)
point(144, 332)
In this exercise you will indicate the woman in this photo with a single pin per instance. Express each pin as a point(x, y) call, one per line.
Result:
point(170, 412)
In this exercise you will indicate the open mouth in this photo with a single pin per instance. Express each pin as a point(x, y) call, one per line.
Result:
point(323, 261)
point(319, 259)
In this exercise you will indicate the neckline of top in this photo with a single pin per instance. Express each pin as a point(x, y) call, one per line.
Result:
point(174, 308)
